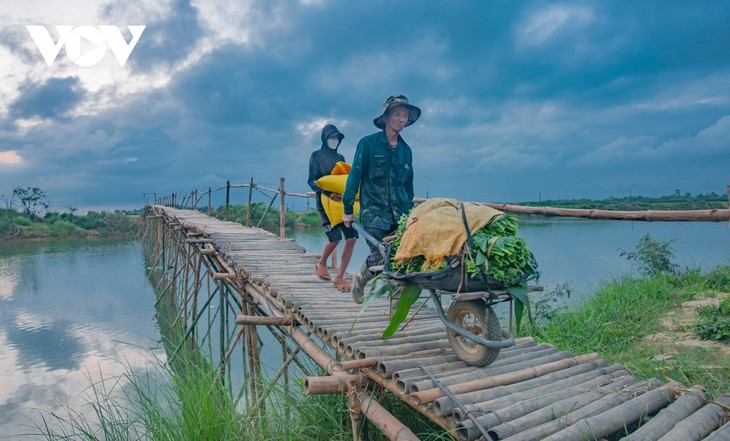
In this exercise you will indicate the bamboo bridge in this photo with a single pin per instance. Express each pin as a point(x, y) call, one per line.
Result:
point(532, 391)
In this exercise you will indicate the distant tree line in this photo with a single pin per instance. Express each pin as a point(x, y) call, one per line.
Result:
point(673, 201)
point(26, 214)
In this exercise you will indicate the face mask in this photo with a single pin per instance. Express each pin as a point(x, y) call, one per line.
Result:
point(333, 143)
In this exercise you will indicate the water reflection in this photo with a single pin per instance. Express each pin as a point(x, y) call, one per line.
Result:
point(73, 313)
point(47, 346)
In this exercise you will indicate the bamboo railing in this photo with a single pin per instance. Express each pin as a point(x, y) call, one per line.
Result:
point(193, 198)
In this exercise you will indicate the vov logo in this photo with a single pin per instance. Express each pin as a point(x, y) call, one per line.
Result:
point(85, 45)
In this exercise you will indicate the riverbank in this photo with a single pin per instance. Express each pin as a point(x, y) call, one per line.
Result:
point(23, 226)
point(651, 326)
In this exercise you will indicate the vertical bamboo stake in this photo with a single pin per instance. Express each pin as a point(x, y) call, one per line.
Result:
point(222, 328)
point(194, 307)
point(228, 197)
point(210, 193)
point(248, 207)
point(282, 208)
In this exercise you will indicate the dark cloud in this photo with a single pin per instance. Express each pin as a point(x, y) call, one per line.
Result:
point(167, 41)
point(569, 99)
point(51, 99)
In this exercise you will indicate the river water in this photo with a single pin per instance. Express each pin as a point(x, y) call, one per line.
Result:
point(584, 252)
point(79, 311)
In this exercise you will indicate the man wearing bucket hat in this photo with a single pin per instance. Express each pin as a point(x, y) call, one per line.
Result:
point(382, 170)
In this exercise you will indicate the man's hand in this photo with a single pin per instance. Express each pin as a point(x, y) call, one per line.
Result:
point(347, 219)
point(336, 197)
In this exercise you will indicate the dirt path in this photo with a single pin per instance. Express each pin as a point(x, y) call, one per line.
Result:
point(677, 333)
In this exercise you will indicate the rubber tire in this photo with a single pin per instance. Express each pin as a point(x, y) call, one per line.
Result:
point(486, 324)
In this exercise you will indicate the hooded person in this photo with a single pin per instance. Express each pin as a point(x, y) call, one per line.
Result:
point(321, 163)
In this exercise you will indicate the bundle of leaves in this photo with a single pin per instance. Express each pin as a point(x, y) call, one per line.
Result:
point(503, 256)
point(497, 252)
point(500, 254)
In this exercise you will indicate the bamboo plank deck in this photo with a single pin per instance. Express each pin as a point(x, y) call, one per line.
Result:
point(532, 391)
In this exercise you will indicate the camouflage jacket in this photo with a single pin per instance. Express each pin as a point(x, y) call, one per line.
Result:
point(384, 176)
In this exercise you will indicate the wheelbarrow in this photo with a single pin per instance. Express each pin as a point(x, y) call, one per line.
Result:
point(472, 325)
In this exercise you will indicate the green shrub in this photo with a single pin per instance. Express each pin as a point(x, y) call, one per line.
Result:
point(714, 321)
point(310, 218)
point(23, 221)
point(653, 257)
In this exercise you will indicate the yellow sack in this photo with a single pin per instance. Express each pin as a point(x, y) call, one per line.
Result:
point(335, 210)
point(435, 229)
point(336, 182)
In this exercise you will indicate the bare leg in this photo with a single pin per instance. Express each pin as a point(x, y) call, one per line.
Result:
point(346, 256)
point(329, 247)
point(321, 268)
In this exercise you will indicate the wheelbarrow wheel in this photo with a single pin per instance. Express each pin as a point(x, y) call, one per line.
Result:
point(478, 318)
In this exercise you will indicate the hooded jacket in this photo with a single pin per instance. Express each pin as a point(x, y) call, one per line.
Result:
point(321, 163)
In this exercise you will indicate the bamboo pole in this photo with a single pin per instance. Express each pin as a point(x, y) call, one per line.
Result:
point(714, 215)
point(599, 406)
point(537, 386)
point(333, 384)
point(248, 206)
point(282, 210)
point(721, 434)
point(690, 401)
point(263, 320)
point(429, 395)
point(619, 417)
point(500, 416)
point(228, 197)
point(701, 423)
point(384, 420)
point(472, 375)
point(603, 387)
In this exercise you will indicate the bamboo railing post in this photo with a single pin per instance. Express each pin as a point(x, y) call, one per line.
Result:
point(228, 197)
point(210, 194)
point(248, 207)
point(282, 209)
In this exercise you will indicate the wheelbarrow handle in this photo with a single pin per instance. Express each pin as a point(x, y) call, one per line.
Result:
point(368, 237)
point(365, 234)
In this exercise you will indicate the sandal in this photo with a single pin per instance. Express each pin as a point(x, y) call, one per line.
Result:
point(321, 271)
point(343, 285)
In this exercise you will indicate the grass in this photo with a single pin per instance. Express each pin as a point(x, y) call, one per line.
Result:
point(189, 403)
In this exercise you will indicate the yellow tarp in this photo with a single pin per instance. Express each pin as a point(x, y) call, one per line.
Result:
point(435, 229)
point(335, 182)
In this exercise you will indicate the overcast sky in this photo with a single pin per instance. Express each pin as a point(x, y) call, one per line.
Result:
point(521, 100)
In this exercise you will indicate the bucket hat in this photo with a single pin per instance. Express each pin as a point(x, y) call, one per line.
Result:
point(397, 100)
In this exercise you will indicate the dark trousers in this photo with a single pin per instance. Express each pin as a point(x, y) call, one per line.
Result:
point(375, 258)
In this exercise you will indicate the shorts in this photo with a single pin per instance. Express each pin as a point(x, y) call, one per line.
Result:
point(335, 233)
